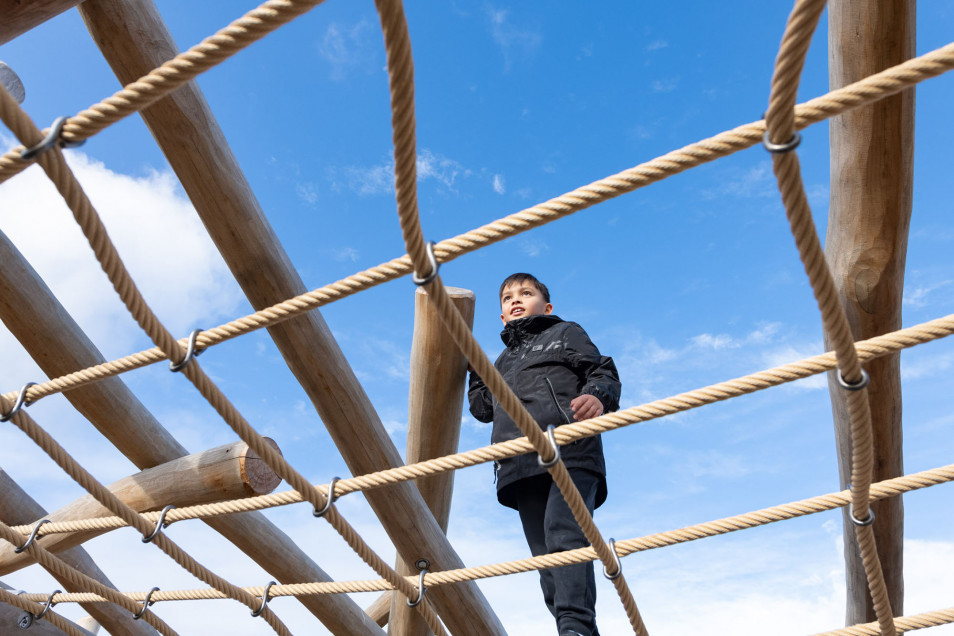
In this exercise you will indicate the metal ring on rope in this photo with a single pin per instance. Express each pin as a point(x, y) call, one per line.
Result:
point(421, 590)
point(778, 149)
point(619, 565)
point(861, 523)
point(329, 500)
point(19, 404)
point(32, 538)
point(49, 604)
point(52, 138)
point(856, 386)
point(556, 450)
point(190, 353)
point(432, 259)
point(147, 602)
point(160, 524)
point(258, 612)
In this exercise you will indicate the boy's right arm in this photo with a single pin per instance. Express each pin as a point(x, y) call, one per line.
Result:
point(481, 400)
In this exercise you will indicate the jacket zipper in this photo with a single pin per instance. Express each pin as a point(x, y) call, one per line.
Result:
point(556, 402)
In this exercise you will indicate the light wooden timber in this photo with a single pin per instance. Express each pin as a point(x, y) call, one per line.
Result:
point(89, 624)
point(19, 16)
point(58, 345)
point(435, 403)
point(872, 151)
point(18, 508)
point(380, 609)
point(228, 472)
point(134, 39)
point(11, 616)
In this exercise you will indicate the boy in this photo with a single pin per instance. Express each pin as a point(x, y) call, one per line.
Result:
point(558, 374)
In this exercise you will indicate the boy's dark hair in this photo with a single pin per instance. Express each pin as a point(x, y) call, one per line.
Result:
point(522, 277)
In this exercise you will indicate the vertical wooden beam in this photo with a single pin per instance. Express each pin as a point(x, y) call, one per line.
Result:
point(18, 508)
point(49, 334)
point(134, 40)
point(435, 403)
point(872, 160)
point(19, 16)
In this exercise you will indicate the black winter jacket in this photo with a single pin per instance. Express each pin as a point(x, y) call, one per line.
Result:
point(547, 363)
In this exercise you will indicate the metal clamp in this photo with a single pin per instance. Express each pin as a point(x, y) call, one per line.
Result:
point(258, 612)
point(778, 149)
point(619, 565)
point(32, 538)
point(190, 353)
point(556, 450)
point(330, 499)
point(160, 524)
point(432, 259)
point(49, 604)
point(857, 386)
point(52, 138)
point(19, 404)
point(147, 602)
point(420, 593)
point(861, 523)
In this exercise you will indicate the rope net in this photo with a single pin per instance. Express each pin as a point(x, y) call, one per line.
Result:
point(783, 119)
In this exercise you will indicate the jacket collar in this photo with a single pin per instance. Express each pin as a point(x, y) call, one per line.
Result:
point(519, 330)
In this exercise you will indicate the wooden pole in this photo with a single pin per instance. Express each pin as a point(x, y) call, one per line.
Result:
point(380, 609)
point(134, 39)
point(14, 620)
point(18, 16)
point(36, 318)
point(18, 508)
point(872, 160)
point(228, 472)
point(435, 402)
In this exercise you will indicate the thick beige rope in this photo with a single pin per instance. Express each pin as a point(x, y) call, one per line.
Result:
point(780, 124)
point(861, 93)
point(902, 623)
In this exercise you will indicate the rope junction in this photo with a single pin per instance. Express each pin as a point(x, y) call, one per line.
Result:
point(779, 133)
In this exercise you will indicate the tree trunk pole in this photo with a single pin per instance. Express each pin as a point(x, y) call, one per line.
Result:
point(435, 403)
point(19, 16)
point(134, 40)
point(872, 151)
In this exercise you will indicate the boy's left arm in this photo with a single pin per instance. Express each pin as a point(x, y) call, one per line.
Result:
point(601, 379)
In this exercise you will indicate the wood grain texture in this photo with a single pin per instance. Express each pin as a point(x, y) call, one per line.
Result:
point(19, 16)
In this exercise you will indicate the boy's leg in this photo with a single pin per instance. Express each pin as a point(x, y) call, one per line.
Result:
point(574, 585)
point(532, 494)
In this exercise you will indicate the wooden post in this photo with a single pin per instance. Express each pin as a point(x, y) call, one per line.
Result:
point(872, 152)
point(435, 402)
point(18, 508)
point(11, 617)
point(36, 318)
point(134, 39)
point(228, 472)
point(19, 16)
point(380, 609)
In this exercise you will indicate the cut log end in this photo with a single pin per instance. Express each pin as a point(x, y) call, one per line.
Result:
point(258, 477)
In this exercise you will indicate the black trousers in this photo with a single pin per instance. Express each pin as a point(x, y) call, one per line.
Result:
point(548, 524)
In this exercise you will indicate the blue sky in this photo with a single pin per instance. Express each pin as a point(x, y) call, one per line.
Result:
point(686, 283)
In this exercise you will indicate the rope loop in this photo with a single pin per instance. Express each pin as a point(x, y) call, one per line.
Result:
point(549, 463)
point(52, 138)
point(330, 498)
point(19, 404)
point(619, 564)
point(777, 149)
point(49, 604)
point(147, 602)
point(160, 524)
point(260, 610)
point(32, 537)
point(190, 353)
point(420, 593)
point(856, 386)
point(432, 259)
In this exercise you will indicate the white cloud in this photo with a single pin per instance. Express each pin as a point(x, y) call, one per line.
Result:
point(347, 48)
point(926, 365)
point(515, 42)
point(346, 253)
point(751, 183)
point(533, 247)
point(379, 179)
point(655, 45)
point(919, 296)
point(762, 335)
point(499, 185)
point(307, 192)
point(667, 85)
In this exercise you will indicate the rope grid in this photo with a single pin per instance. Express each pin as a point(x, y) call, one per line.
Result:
point(782, 121)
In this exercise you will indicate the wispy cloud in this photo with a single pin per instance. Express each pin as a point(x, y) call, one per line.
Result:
point(533, 247)
point(655, 45)
point(347, 48)
point(499, 185)
point(749, 183)
point(517, 43)
point(379, 179)
point(345, 253)
point(920, 296)
point(667, 85)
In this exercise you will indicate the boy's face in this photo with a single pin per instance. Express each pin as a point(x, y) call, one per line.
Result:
point(522, 299)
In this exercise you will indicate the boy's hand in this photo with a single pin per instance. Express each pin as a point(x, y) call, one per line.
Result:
point(586, 406)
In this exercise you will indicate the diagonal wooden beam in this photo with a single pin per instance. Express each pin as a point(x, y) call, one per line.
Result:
point(435, 403)
point(134, 40)
point(58, 345)
point(18, 17)
point(228, 472)
point(18, 508)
